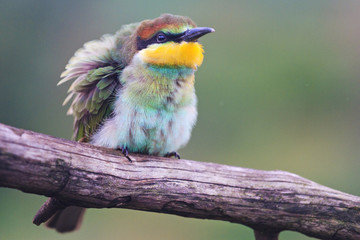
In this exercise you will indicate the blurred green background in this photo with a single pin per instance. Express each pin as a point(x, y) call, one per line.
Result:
point(279, 89)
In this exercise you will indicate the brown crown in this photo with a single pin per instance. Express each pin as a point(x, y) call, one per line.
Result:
point(148, 28)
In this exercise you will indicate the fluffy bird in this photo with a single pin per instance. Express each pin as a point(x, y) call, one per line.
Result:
point(134, 90)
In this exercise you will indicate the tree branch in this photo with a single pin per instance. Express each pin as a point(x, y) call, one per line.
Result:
point(88, 176)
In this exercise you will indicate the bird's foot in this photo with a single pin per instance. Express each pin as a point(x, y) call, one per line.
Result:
point(125, 151)
point(172, 154)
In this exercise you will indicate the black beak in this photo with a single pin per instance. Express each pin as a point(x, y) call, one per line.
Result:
point(191, 35)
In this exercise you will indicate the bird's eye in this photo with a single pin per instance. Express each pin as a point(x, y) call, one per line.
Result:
point(161, 37)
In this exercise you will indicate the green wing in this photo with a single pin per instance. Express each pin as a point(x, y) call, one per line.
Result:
point(95, 70)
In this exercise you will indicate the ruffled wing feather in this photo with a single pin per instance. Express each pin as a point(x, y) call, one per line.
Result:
point(95, 70)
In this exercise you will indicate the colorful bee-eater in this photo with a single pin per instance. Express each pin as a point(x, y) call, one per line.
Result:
point(134, 90)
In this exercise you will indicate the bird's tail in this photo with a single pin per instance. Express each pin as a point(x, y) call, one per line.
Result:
point(66, 220)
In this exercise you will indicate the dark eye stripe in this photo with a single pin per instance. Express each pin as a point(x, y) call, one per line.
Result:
point(141, 43)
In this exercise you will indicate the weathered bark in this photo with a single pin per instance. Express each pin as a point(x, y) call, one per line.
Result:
point(266, 235)
point(88, 176)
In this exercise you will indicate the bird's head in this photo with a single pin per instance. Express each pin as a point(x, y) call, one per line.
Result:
point(170, 40)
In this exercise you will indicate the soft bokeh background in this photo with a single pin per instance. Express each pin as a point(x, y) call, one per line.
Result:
point(279, 89)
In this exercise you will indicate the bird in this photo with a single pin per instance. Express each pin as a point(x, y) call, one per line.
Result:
point(134, 91)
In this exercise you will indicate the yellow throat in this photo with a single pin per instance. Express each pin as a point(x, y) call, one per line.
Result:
point(187, 54)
